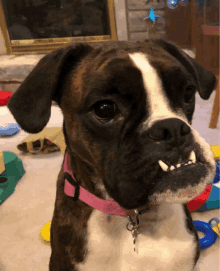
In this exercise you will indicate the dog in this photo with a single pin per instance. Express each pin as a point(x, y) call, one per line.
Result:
point(132, 158)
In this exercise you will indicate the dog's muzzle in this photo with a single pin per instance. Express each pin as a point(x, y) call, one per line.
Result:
point(175, 134)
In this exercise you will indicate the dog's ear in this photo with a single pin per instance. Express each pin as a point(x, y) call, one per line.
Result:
point(31, 103)
point(205, 79)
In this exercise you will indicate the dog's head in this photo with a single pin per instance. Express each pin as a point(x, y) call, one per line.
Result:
point(127, 112)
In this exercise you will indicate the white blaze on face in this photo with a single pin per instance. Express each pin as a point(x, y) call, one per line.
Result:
point(158, 105)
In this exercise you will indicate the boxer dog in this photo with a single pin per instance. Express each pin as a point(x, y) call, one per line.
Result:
point(132, 159)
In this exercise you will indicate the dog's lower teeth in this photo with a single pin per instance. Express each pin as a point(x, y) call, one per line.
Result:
point(166, 168)
point(192, 157)
point(163, 165)
point(172, 168)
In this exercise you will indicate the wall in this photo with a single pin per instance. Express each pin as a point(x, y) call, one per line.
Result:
point(121, 19)
point(2, 44)
point(139, 9)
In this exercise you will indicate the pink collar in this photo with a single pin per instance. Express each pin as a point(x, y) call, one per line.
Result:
point(78, 192)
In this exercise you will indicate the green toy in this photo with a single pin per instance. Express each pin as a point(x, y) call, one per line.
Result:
point(11, 170)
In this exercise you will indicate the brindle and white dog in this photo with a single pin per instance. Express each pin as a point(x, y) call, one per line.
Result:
point(127, 111)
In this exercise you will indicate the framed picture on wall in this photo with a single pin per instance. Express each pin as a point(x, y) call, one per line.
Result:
point(42, 25)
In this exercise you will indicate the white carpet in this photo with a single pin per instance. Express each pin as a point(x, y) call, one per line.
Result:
point(24, 213)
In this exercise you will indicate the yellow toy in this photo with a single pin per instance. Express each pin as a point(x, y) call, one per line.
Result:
point(216, 152)
point(45, 232)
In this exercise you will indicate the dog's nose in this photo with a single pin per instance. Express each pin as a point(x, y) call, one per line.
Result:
point(170, 130)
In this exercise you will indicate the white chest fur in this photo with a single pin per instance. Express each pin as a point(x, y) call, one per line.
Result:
point(163, 243)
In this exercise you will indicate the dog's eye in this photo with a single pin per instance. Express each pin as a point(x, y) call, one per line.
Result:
point(104, 110)
point(189, 94)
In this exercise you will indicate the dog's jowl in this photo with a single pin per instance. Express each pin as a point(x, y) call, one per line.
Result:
point(132, 159)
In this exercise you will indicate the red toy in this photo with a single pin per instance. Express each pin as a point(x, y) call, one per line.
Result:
point(198, 201)
point(209, 199)
point(4, 97)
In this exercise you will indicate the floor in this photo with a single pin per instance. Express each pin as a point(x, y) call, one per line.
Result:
point(31, 205)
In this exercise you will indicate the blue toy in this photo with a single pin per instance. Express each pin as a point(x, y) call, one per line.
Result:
point(9, 129)
point(210, 235)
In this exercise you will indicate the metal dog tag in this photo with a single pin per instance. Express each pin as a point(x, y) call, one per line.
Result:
point(133, 226)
